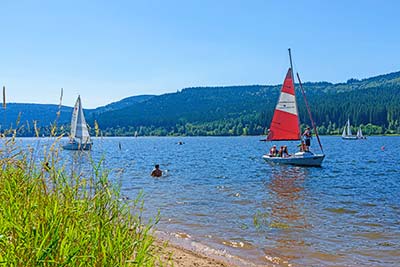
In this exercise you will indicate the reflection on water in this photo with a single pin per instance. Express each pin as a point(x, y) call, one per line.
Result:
point(220, 196)
point(285, 215)
point(287, 194)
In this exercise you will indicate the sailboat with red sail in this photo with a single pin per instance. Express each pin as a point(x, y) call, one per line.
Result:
point(285, 125)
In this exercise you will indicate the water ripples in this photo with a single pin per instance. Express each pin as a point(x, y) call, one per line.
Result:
point(219, 195)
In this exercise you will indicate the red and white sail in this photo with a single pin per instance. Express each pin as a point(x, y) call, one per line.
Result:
point(285, 122)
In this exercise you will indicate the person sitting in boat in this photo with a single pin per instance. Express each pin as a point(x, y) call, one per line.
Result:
point(156, 172)
point(303, 146)
point(280, 152)
point(285, 152)
point(307, 137)
point(273, 152)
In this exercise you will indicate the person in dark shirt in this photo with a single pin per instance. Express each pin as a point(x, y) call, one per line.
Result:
point(285, 152)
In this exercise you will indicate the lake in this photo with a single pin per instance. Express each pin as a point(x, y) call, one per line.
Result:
point(218, 196)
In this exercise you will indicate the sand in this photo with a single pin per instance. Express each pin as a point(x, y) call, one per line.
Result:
point(181, 257)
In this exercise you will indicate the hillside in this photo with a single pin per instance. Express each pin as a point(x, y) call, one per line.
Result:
point(237, 110)
point(232, 110)
point(25, 115)
point(126, 102)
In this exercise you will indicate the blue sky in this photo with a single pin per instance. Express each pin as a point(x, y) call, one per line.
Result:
point(108, 50)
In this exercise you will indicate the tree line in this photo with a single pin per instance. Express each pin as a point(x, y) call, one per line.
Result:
point(373, 104)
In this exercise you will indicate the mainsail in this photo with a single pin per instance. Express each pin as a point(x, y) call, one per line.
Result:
point(347, 129)
point(285, 122)
point(360, 134)
point(78, 123)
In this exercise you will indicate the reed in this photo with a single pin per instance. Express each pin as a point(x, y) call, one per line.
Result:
point(51, 218)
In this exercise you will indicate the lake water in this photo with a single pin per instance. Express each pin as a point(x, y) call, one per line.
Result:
point(218, 196)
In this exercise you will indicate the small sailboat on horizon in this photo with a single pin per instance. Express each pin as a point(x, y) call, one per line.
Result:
point(348, 135)
point(285, 125)
point(79, 138)
point(360, 134)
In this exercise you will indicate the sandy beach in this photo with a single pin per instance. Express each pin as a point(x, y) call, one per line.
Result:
point(180, 257)
point(180, 250)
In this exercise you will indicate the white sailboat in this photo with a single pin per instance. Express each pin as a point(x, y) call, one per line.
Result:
point(360, 134)
point(79, 138)
point(347, 134)
point(285, 125)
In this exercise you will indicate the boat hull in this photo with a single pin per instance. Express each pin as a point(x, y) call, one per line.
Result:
point(78, 146)
point(298, 159)
point(352, 137)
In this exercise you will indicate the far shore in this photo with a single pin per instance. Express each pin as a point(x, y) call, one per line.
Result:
point(190, 136)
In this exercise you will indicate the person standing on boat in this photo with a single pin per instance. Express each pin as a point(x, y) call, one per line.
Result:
point(307, 137)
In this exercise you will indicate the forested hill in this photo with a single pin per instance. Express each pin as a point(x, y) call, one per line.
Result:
point(373, 103)
point(27, 116)
point(238, 110)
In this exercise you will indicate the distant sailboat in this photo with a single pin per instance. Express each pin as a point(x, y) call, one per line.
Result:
point(79, 138)
point(360, 134)
point(347, 134)
point(285, 125)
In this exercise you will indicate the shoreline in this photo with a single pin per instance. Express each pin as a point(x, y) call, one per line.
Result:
point(181, 250)
point(179, 256)
point(191, 136)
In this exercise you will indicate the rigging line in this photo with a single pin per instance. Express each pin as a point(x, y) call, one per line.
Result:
point(309, 112)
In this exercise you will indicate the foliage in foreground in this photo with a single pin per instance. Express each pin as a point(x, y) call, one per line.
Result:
point(49, 218)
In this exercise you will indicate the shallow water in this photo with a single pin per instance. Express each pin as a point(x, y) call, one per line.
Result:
point(218, 193)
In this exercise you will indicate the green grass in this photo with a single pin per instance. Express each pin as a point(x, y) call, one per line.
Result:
point(49, 218)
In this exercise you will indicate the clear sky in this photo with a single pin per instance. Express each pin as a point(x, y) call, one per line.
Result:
point(108, 50)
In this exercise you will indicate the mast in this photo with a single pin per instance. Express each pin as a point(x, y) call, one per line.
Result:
point(294, 87)
point(291, 64)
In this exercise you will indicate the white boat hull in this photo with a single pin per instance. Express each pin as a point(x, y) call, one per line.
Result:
point(78, 146)
point(352, 137)
point(298, 159)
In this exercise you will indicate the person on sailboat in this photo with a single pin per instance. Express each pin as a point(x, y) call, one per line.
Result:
point(280, 152)
point(302, 146)
point(307, 137)
point(273, 152)
point(156, 172)
point(285, 152)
